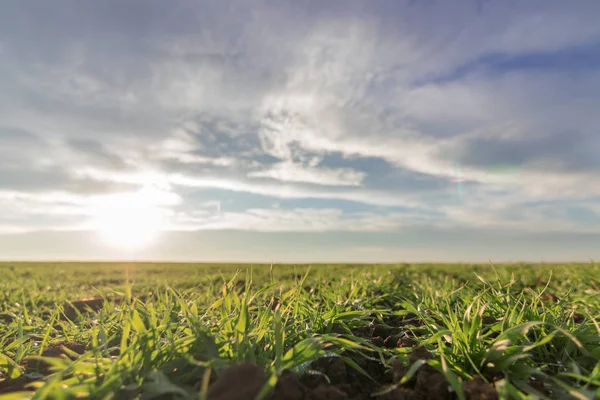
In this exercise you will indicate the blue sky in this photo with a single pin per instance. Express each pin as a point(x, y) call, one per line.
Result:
point(303, 131)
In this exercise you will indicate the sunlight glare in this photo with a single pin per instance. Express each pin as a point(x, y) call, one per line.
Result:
point(128, 220)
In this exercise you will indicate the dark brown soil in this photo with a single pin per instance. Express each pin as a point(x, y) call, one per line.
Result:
point(239, 382)
point(83, 305)
point(7, 317)
point(406, 342)
point(58, 349)
point(578, 318)
point(14, 385)
point(383, 336)
point(378, 341)
point(428, 384)
point(419, 353)
point(33, 364)
point(539, 386)
point(330, 378)
point(477, 389)
point(549, 298)
point(55, 350)
point(391, 342)
point(342, 378)
point(488, 320)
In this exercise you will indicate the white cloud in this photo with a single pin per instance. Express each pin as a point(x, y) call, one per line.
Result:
point(277, 92)
point(517, 217)
point(293, 191)
point(295, 220)
point(65, 211)
point(294, 172)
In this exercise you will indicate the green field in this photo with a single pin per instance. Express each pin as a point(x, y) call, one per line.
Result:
point(323, 332)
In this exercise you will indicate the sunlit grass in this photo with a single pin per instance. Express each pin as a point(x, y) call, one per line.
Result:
point(164, 329)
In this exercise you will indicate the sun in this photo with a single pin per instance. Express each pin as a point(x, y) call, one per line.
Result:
point(128, 220)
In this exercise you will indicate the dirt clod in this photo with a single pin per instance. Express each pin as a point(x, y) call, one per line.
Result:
point(419, 353)
point(409, 317)
point(549, 298)
point(394, 320)
point(432, 384)
point(334, 368)
point(578, 318)
point(238, 382)
point(406, 342)
point(402, 393)
point(488, 320)
point(362, 331)
point(539, 386)
point(391, 342)
point(54, 350)
point(339, 329)
point(240, 284)
point(289, 387)
point(57, 349)
point(477, 389)
point(398, 369)
point(8, 317)
point(274, 304)
point(83, 305)
point(327, 393)
point(329, 378)
point(14, 385)
point(380, 330)
point(428, 384)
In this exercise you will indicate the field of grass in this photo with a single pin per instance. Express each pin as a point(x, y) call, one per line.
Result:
point(161, 331)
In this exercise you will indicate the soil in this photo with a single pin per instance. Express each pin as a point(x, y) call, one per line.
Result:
point(384, 337)
point(83, 305)
point(239, 382)
point(477, 389)
point(578, 318)
point(55, 350)
point(14, 385)
point(8, 317)
point(330, 378)
point(539, 386)
point(549, 298)
point(34, 365)
point(488, 320)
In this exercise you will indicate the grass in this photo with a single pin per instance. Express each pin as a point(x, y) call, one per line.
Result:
point(168, 329)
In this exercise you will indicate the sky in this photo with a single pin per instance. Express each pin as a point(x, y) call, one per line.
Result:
point(300, 131)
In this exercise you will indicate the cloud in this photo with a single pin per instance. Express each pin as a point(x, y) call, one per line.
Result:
point(72, 211)
point(291, 172)
point(96, 153)
point(297, 220)
point(374, 104)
